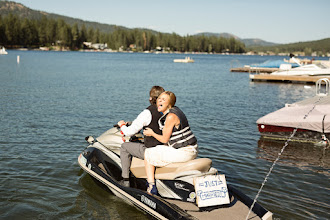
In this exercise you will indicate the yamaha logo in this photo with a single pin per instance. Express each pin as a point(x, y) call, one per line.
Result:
point(148, 202)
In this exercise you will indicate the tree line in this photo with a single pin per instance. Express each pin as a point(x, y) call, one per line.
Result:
point(319, 47)
point(18, 32)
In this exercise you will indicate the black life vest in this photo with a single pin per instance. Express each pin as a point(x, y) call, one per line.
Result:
point(182, 136)
point(155, 116)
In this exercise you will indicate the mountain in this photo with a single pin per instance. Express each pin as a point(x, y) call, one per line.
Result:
point(321, 46)
point(248, 42)
point(256, 42)
point(9, 7)
point(209, 34)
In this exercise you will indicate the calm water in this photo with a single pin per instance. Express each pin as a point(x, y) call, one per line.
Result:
point(51, 100)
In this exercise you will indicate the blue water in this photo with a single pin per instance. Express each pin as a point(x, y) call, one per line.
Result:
point(50, 101)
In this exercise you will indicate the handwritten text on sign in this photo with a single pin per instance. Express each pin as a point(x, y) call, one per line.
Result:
point(212, 194)
point(211, 190)
point(210, 183)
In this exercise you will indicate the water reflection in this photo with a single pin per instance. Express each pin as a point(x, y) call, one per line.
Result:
point(302, 155)
point(98, 202)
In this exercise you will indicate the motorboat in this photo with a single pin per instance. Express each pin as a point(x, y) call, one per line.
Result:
point(3, 51)
point(268, 66)
point(316, 69)
point(305, 70)
point(310, 118)
point(176, 197)
point(185, 60)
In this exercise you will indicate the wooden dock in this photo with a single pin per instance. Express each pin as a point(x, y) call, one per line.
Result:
point(253, 70)
point(286, 79)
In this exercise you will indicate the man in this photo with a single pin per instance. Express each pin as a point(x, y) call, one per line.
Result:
point(148, 118)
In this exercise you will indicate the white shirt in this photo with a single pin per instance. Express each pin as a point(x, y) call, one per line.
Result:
point(143, 119)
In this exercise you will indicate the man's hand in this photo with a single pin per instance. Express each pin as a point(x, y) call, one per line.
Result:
point(121, 123)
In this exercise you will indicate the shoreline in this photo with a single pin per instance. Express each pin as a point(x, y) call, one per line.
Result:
point(157, 52)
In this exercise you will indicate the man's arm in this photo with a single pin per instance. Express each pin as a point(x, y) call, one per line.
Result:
point(143, 119)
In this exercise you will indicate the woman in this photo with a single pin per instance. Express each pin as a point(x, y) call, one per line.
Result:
point(180, 142)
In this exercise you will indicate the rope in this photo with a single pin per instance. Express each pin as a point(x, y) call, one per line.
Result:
point(278, 157)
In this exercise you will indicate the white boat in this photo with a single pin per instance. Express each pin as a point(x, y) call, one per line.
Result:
point(185, 60)
point(307, 70)
point(302, 70)
point(3, 51)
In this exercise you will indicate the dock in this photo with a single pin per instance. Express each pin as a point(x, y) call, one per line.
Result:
point(253, 69)
point(286, 79)
point(272, 68)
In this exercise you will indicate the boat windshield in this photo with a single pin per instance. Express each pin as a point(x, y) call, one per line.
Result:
point(321, 66)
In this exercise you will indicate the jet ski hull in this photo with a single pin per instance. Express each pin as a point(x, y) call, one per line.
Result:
point(104, 165)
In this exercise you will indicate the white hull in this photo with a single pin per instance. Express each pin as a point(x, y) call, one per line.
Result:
point(186, 60)
point(308, 70)
point(3, 51)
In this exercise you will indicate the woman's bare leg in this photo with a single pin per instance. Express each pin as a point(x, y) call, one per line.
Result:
point(150, 171)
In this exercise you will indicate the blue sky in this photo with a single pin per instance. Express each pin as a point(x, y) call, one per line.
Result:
point(278, 21)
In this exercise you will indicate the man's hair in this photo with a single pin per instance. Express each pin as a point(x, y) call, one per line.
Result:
point(155, 91)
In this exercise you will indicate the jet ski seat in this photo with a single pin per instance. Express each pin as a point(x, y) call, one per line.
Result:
point(173, 170)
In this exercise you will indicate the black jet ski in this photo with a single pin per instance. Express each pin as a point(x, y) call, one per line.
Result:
point(176, 197)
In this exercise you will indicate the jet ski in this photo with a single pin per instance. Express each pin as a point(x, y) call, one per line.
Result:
point(176, 197)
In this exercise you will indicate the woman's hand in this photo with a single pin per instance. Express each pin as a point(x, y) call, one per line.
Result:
point(171, 121)
point(148, 132)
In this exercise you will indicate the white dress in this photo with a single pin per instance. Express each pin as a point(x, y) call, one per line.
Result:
point(162, 155)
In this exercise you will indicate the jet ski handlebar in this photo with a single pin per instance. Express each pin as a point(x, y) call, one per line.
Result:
point(127, 124)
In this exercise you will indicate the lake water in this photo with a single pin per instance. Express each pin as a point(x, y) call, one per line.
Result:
point(51, 100)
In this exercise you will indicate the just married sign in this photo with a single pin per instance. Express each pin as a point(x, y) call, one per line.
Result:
point(211, 190)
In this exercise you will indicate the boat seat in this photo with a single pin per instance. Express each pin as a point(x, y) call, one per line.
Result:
point(172, 170)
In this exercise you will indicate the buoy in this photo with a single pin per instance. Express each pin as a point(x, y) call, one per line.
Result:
point(17, 59)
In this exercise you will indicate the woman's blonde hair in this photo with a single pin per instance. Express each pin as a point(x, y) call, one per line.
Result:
point(172, 97)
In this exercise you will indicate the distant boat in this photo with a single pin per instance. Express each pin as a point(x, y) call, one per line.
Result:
point(3, 51)
point(185, 60)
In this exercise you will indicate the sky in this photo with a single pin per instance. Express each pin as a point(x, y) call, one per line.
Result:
point(276, 21)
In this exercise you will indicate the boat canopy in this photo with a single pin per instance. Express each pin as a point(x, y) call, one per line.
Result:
point(293, 116)
point(273, 64)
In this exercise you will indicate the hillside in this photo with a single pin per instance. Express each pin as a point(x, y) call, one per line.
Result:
point(320, 46)
point(248, 41)
point(21, 27)
point(132, 36)
point(256, 42)
point(225, 35)
point(10, 7)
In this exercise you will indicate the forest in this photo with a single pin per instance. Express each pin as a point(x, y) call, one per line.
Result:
point(18, 32)
point(318, 48)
